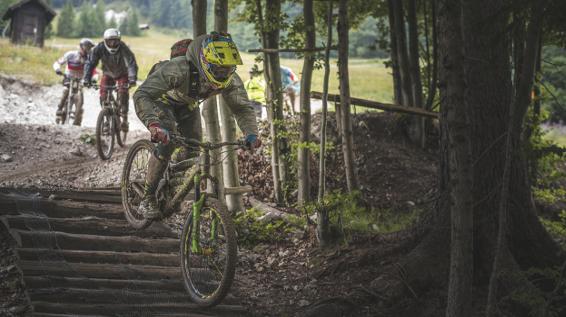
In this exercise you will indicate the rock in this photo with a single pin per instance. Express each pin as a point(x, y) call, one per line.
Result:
point(5, 158)
point(304, 302)
point(76, 151)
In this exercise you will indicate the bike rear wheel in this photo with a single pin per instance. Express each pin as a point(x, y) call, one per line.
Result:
point(133, 181)
point(105, 134)
point(208, 273)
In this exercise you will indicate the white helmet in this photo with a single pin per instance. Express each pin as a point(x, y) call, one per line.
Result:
point(112, 40)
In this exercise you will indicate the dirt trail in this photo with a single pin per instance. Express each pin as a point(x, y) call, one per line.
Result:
point(81, 258)
point(35, 152)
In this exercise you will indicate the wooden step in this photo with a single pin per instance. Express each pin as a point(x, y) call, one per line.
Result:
point(112, 296)
point(47, 281)
point(138, 309)
point(87, 225)
point(105, 271)
point(71, 241)
point(89, 196)
point(59, 208)
point(108, 257)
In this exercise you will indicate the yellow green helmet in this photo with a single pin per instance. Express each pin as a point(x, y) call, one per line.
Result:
point(218, 58)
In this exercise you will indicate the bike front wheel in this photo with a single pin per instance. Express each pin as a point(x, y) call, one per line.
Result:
point(133, 181)
point(120, 135)
point(105, 134)
point(208, 254)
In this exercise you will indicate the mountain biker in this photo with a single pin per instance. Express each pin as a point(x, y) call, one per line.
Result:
point(167, 102)
point(255, 86)
point(119, 68)
point(75, 61)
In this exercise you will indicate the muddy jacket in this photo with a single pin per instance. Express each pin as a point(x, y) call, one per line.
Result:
point(171, 84)
point(121, 64)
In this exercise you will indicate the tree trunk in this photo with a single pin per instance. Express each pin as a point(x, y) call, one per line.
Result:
point(459, 301)
point(323, 228)
point(271, 112)
point(398, 95)
point(199, 17)
point(417, 123)
point(404, 64)
point(489, 94)
point(516, 117)
point(308, 64)
point(209, 110)
point(273, 15)
point(228, 127)
point(347, 133)
point(434, 77)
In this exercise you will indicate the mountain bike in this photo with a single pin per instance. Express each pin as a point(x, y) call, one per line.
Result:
point(74, 101)
point(208, 240)
point(108, 125)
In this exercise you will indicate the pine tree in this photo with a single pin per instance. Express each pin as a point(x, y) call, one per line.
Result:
point(66, 20)
point(100, 17)
point(133, 24)
point(112, 23)
point(86, 23)
point(124, 26)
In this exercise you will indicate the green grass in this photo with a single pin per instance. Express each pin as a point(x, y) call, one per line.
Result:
point(30, 63)
point(369, 79)
point(557, 136)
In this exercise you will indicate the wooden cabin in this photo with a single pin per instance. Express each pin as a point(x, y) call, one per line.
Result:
point(28, 21)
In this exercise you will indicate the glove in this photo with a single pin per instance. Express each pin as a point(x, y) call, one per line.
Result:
point(158, 134)
point(59, 72)
point(87, 83)
point(252, 141)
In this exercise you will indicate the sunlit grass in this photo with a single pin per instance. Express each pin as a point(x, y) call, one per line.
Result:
point(369, 79)
point(557, 136)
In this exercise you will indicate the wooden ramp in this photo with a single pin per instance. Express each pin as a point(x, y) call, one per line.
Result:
point(80, 257)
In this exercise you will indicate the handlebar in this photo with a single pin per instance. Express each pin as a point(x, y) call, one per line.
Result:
point(180, 140)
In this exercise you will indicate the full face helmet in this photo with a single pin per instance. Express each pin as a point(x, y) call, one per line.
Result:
point(112, 40)
point(218, 58)
point(86, 45)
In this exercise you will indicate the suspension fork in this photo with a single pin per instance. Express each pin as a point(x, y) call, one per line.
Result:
point(197, 208)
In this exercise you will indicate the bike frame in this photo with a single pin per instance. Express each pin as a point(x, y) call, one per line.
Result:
point(194, 177)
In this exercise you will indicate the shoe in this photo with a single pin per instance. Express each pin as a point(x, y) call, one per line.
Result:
point(149, 208)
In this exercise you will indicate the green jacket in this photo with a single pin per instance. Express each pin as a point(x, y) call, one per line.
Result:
point(170, 84)
point(256, 89)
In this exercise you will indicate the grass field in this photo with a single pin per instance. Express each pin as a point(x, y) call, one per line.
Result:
point(369, 79)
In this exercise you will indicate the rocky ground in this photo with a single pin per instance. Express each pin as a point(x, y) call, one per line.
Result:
point(289, 276)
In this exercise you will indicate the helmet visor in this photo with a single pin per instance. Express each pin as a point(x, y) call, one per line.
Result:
point(220, 72)
point(112, 43)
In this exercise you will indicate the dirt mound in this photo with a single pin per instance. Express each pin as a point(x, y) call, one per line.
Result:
point(393, 172)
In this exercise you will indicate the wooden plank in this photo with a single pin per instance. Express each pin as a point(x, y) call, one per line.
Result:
point(137, 309)
point(70, 241)
point(46, 281)
point(113, 296)
point(289, 50)
point(238, 190)
point(98, 270)
point(13, 205)
point(88, 225)
point(379, 105)
point(107, 257)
